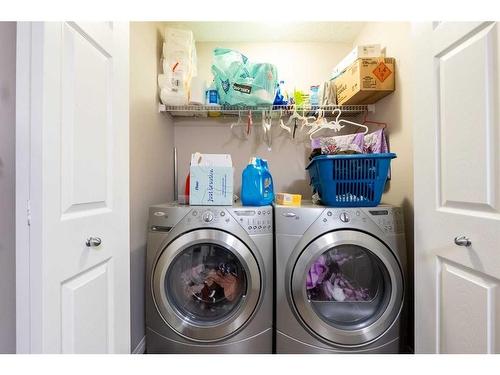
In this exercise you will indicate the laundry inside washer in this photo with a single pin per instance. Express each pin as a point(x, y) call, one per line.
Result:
point(212, 282)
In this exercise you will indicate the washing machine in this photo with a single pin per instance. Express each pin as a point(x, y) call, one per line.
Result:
point(340, 279)
point(209, 275)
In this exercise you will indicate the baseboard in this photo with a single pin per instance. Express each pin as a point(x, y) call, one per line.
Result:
point(141, 347)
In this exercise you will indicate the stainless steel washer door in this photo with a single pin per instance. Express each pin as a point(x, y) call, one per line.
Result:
point(206, 285)
point(347, 287)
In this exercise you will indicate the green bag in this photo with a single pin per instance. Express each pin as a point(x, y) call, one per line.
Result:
point(239, 82)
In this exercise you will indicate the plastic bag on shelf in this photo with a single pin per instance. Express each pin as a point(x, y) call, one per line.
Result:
point(240, 82)
point(179, 67)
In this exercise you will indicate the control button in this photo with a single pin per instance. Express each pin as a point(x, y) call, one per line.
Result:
point(344, 217)
point(260, 226)
point(195, 213)
point(269, 226)
point(358, 213)
point(325, 220)
point(255, 227)
point(222, 213)
point(329, 213)
point(159, 213)
point(208, 217)
point(249, 227)
point(258, 213)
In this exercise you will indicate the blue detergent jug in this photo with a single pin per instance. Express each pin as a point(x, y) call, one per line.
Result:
point(257, 187)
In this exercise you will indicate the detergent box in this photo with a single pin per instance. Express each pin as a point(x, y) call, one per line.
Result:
point(211, 180)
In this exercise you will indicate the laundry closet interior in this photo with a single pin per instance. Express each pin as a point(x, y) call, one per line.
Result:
point(304, 55)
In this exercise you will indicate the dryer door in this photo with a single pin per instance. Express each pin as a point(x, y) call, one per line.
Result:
point(347, 287)
point(206, 284)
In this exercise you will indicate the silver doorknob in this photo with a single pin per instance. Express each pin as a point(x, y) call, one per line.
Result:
point(462, 241)
point(93, 242)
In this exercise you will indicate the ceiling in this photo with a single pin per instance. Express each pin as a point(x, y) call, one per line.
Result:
point(338, 32)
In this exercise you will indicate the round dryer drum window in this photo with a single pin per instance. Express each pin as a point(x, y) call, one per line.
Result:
point(205, 283)
point(348, 287)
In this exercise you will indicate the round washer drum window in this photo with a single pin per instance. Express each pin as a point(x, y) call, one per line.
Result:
point(205, 284)
point(348, 287)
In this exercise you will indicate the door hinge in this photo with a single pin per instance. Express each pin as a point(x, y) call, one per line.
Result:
point(28, 213)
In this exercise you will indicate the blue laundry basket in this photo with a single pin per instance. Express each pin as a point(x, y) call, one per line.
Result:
point(350, 180)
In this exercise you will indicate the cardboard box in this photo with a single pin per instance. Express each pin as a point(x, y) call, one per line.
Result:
point(211, 180)
point(368, 50)
point(366, 81)
point(285, 199)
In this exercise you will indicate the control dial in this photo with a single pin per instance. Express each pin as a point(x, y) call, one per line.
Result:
point(344, 217)
point(208, 216)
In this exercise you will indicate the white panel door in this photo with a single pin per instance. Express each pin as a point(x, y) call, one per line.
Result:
point(78, 288)
point(457, 188)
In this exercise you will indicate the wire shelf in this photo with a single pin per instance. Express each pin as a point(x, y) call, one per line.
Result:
point(203, 110)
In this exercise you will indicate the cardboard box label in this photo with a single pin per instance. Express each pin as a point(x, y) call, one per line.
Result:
point(382, 71)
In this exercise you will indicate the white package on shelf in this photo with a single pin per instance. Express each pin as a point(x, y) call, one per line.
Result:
point(197, 94)
point(179, 66)
point(368, 50)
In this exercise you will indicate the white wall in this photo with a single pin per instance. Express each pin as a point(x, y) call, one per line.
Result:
point(300, 65)
point(397, 111)
point(151, 157)
point(7, 187)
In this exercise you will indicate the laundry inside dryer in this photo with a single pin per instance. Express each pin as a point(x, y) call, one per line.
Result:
point(348, 287)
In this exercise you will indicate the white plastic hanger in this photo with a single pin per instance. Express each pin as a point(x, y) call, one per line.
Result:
point(295, 116)
point(342, 121)
point(307, 120)
point(317, 123)
point(249, 123)
point(238, 123)
point(282, 124)
point(321, 124)
point(266, 127)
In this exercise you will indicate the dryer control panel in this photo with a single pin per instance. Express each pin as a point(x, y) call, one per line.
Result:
point(388, 219)
point(255, 220)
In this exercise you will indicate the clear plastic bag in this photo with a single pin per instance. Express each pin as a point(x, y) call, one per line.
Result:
point(240, 82)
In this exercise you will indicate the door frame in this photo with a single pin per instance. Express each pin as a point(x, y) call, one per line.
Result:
point(29, 85)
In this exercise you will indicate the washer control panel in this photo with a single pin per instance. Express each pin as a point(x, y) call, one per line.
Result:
point(255, 220)
point(208, 216)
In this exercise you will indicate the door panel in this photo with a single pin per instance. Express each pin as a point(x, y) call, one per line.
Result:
point(86, 327)
point(457, 187)
point(468, 177)
point(86, 122)
point(468, 310)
